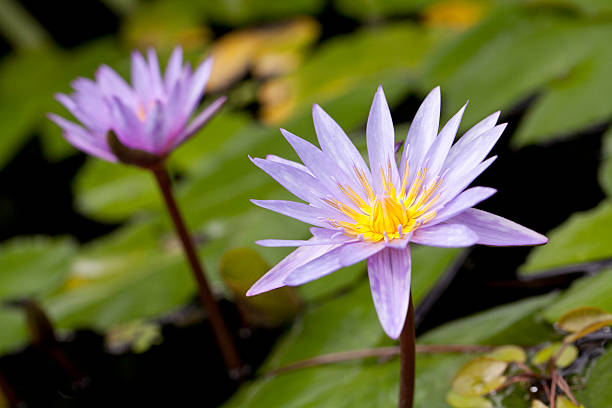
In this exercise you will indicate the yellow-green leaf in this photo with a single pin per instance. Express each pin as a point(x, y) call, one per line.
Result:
point(461, 401)
point(479, 377)
point(564, 359)
point(509, 353)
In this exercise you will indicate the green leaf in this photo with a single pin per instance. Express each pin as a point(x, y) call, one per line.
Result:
point(112, 192)
point(249, 11)
point(584, 237)
point(501, 325)
point(32, 99)
point(567, 356)
point(508, 353)
point(605, 169)
point(588, 7)
point(479, 377)
point(509, 57)
point(572, 103)
point(589, 291)
point(377, 9)
point(29, 267)
point(326, 76)
point(349, 322)
point(461, 401)
point(33, 266)
point(578, 319)
point(597, 393)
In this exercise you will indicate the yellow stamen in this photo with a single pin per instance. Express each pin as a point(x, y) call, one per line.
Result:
point(391, 214)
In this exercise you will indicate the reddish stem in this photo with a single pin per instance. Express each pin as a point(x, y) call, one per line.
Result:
point(408, 357)
point(224, 339)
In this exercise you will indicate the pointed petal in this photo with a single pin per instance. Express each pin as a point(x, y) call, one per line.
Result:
point(323, 167)
point(441, 145)
point(333, 260)
point(462, 202)
point(197, 86)
point(297, 182)
point(474, 152)
point(81, 139)
point(337, 144)
point(389, 273)
point(497, 231)
point(173, 69)
point(453, 185)
point(381, 141)
point(299, 166)
point(448, 235)
point(306, 213)
point(475, 131)
point(275, 277)
point(340, 239)
point(423, 130)
point(199, 121)
point(140, 77)
point(111, 84)
point(156, 85)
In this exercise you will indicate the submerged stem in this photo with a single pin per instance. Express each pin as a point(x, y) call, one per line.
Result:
point(407, 356)
point(224, 339)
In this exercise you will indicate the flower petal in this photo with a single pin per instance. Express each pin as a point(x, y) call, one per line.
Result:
point(275, 277)
point(320, 164)
point(423, 130)
point(199, 121)
point(291, 163)
point(141, 77)
point(381, 141)
point(173, 69)
point(389, 272)
point(81, 139)
point(453, 185)
point(474, 152)
point(337, 144)
point(156, 85)
point(197, 86)
point(345, 255)
point(447, 235)
point(297, 182)
point(475, 131)
point(340, 239)
point(441, 145)
point(303, 212)
point(462, 202)
point(497, 231)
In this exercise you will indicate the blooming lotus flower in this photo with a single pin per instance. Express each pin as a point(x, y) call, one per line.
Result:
point(150, 116)
point(374, 213)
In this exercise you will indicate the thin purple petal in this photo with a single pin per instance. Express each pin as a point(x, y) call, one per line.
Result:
point(494, 230)
point(381, 141)
point(389, 273)
point(275, 277)
point(448, 235)
point(333, 260)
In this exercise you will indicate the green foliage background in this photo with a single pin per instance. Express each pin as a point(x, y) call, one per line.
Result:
point(554, 53)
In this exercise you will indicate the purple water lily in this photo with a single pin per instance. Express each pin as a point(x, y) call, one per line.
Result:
point(375, 213)
point(150, 116)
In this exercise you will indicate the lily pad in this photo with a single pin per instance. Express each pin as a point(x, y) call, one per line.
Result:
point(589, 291)
point(584, 237)
point(508, 353)
point(564, 354)
point(479, 377)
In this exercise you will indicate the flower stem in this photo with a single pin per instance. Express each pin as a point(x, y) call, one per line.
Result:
point(224, 339)
point(407, 356)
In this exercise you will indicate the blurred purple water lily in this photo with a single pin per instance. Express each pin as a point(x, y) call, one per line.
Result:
point(150, 116)
point(374, 213)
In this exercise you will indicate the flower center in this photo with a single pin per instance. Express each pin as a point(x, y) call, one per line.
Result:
point(389, 215)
